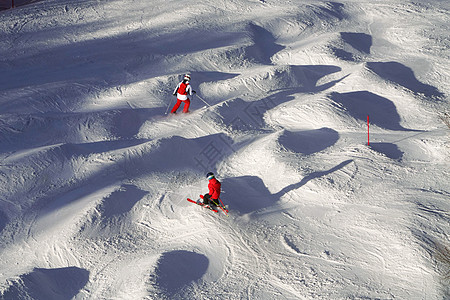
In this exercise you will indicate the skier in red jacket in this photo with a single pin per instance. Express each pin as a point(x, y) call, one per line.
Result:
point(212, 198)
point(182, 91)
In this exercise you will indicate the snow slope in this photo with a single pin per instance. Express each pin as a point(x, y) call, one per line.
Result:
point(94, 174)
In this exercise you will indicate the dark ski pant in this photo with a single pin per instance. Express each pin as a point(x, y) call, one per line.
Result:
point(208, 200)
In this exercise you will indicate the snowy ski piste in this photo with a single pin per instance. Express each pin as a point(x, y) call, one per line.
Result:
point(326, 123)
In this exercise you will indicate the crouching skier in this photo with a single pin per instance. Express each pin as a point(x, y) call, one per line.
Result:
point(212, 198)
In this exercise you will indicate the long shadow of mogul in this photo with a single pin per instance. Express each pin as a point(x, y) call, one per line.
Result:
point(246, 194)
point(402, 75)
point(359, 105)
point(243, 115)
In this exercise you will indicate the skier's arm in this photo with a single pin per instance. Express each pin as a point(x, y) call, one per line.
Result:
point(210, 189)
point(189, 90)
point(176, 90)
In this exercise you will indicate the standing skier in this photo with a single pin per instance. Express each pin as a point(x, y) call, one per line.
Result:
point(182, 91)
point(212, 198)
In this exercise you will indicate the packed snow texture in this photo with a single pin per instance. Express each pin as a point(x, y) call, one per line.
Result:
point(94, 174)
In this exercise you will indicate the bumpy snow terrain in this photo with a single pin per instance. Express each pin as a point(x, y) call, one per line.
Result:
point(94, 174)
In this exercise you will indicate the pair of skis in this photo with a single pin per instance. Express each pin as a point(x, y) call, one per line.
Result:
point(221, 206)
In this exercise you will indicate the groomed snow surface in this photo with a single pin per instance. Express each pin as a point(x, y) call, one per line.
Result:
point(94, 175)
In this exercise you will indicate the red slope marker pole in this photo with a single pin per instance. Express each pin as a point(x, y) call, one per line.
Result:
point(12, 3)
point(368, 136)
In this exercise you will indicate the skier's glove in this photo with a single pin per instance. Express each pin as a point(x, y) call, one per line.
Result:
point(194, 92)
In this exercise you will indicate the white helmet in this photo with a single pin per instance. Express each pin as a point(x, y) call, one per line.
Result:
point(187, 77)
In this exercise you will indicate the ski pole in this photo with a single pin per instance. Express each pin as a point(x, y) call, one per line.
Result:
point(223, 208)
point(170, 104)
point(221, 202)
point(203, 100)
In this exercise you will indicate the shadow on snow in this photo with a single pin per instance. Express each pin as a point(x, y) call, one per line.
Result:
point(264, 46)
point(242, 115)
point(382, 112)
point(360, 41)
point(404, 76)
point(308, 141)
point(177, 269)
point(247, 194)
point(167, 155)
point(48, 284)
point(388, 149)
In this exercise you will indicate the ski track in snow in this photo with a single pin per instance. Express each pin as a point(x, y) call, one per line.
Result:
point(94, 175)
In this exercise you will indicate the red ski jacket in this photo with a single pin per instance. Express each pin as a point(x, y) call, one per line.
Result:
point(214, 188)
point(183, 90)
